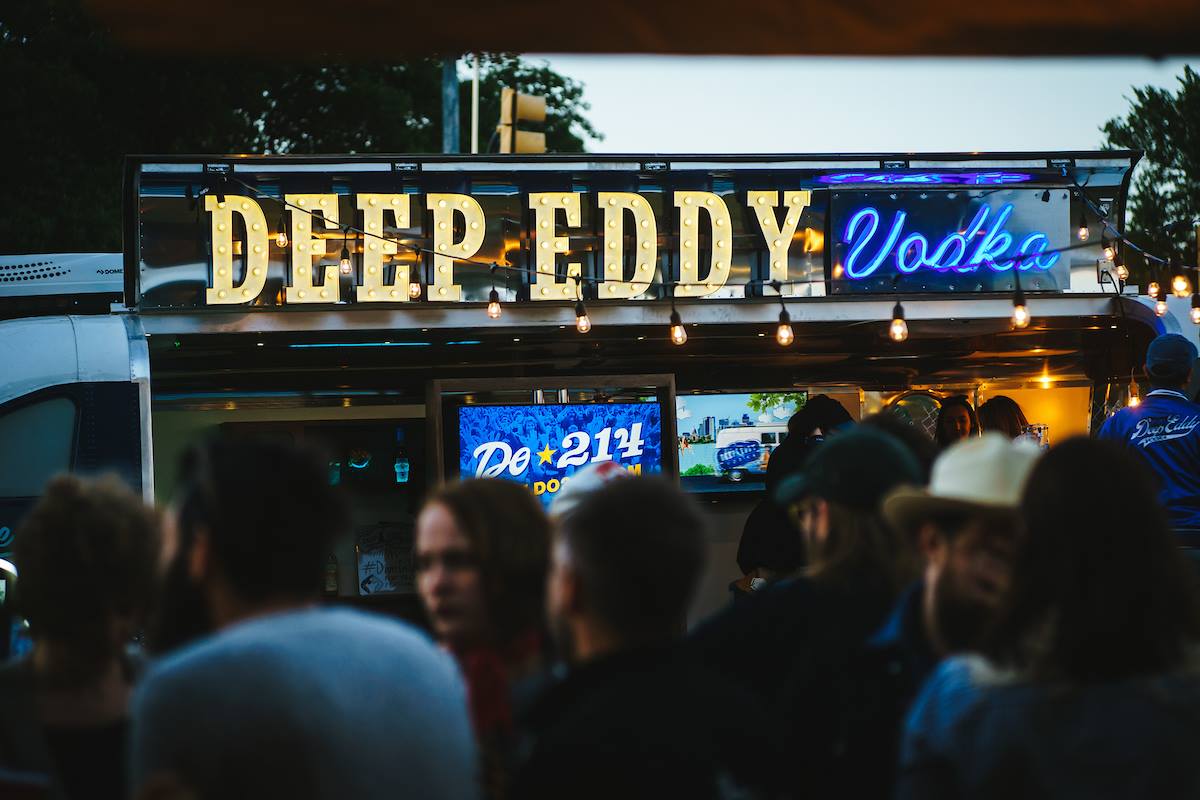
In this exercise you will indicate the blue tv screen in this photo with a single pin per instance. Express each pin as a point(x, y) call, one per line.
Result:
point(542, 446)
point(726, 440)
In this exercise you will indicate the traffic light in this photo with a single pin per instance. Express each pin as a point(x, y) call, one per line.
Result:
point(519, 111)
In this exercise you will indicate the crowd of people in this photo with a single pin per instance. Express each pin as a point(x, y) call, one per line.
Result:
point(964, 616)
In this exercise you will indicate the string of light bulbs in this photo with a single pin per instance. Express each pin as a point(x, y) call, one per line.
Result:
point(785, 334)
point(1179, 283)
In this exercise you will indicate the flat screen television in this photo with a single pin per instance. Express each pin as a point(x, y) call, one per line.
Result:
point(725, 440)
point(543, 446)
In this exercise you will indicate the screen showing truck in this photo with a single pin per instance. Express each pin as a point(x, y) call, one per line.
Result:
point(543, 446)
point(726, 440)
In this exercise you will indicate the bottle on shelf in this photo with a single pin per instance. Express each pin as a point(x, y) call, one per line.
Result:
point(401, 465)
point(330, 584)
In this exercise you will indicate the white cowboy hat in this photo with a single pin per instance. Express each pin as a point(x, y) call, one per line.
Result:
point(978, 476)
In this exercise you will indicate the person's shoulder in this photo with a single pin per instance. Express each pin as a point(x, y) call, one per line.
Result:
point(1114, 425)
point(957, 689)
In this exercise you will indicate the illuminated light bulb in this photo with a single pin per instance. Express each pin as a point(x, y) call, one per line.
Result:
point(1134, 400)
point(898, 331)
point(281, 238)
point(1196, 308)
point(414, 290)
point(344, 264)
point(1108, 250)
point(1020, 316)
point(583, 322)
point(1122, 272)
point(1180, 285)
point(1084, 231)
point(1160, 307)
point(493, 307)
point(784, 333)
point(1152, 288)
point(678, 334)
point(1020, 312)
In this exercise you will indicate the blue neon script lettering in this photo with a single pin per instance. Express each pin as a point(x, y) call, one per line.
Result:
point(983, 242)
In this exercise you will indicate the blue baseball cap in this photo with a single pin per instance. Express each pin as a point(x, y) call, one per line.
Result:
point(1170, 356)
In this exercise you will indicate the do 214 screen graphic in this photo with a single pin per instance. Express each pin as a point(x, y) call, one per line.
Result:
point(542, 446)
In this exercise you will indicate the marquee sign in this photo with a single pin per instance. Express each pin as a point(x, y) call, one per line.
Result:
point(271, 233)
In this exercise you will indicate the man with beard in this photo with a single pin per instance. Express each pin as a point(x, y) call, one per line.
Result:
point(963, 525)
point(634, 716)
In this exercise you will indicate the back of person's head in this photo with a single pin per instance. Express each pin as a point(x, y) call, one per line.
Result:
point(87, 554)
point(638, 549)
point(851, 473)
point(903, 430)
point(951, 407)
point(1002, 415)
point(269, 512)
point(510, 536)
point(820, 411)
point(1100, 591)
point(1169, 360)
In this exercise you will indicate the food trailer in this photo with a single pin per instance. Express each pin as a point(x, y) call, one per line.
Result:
point(426, 318)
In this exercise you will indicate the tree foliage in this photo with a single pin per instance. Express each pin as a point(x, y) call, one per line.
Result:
point(762, 402)
point(1165, 198)
point(76, 103)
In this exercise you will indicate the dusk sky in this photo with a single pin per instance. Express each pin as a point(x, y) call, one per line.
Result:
point(842, 105)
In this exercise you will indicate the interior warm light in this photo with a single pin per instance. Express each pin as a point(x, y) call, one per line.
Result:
point(1196, 308)
point(493, 306)
point(1152, 289)
point(1020, 316)
point(414, 290)
point(678, 334)
point(1180, 285)
point(898, 331)
point(1122, 272)
point(583, 322)
point(281, 238)
point(1084, 231)
point(1108, 250)
point(784, 333)
point(1160, 307)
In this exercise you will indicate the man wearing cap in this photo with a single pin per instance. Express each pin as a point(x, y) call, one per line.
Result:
point(1165, 429)
point(785, 641)
point(962, 525)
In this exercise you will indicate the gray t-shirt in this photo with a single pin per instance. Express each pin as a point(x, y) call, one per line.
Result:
point(314, 703)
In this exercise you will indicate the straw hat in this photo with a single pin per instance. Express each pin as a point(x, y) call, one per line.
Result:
point(983, 475)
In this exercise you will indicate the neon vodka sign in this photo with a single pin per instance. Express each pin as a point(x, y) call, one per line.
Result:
point(927, 178)
point(983, 242)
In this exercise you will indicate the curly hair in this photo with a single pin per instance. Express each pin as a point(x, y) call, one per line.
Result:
point(87, 554)
point(510, 534)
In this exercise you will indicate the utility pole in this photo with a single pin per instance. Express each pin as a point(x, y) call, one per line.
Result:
point(450, 138)
point(475, 106)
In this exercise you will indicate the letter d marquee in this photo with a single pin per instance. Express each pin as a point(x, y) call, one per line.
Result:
point(223, 290)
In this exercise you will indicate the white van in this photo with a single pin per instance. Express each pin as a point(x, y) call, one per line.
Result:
point(743, 450)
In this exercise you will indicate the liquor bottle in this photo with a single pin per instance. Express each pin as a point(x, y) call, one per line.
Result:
point(331, 575)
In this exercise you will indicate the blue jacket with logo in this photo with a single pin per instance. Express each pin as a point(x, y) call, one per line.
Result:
point(1165, 430)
